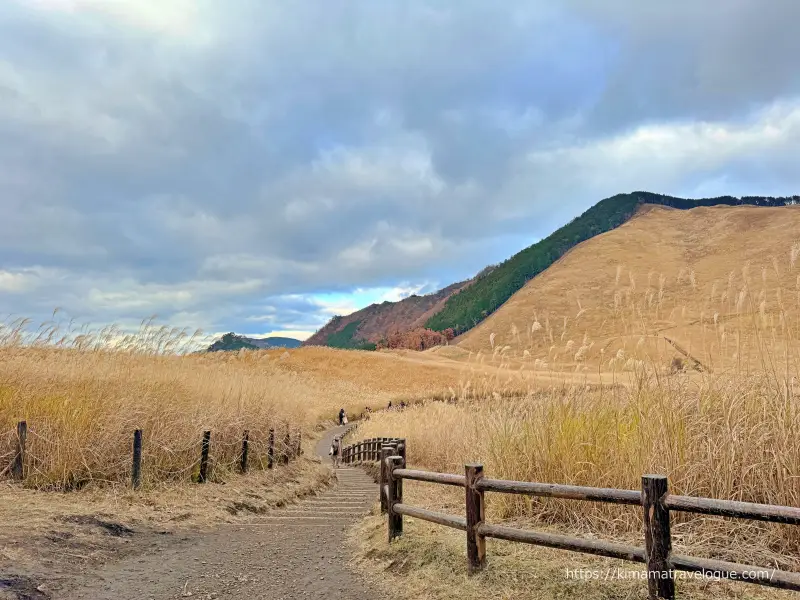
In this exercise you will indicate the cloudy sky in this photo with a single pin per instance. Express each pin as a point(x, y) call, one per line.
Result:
point(260, 165)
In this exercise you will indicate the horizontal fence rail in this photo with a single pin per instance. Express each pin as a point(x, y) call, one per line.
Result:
point(654, 498)
point(568, 492)
point(290, 450)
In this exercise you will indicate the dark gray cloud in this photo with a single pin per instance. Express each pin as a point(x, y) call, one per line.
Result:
point(229, 165)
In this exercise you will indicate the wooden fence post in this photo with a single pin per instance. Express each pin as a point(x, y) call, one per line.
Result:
point(286, 444)
point(386, 452)
point(245, 448)
point(18, 466)
point(395, 497)
point(476, 543)
point(203, 476)
point(271, 449)
point(657, 539)
point(136, 471)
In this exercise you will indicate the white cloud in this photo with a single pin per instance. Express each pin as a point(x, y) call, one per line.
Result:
point(217, 165)
point(18, 282)
point(182, 19)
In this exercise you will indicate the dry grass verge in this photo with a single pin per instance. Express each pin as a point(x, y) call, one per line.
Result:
point(429, 562)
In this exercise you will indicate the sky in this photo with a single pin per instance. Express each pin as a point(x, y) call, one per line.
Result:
point(259, 166)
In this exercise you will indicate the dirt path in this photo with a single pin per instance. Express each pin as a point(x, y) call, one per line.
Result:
point(294, 552)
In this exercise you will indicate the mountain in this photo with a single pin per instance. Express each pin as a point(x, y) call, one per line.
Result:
point(366, 328)
point(231, 341)
point(465, 310)
point(462, 306)
point(711, 287)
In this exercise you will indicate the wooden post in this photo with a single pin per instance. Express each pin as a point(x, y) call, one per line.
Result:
point(245, 444)
point(203, 477)
point(476, 543)
point(271, 449)
point(136, 471)
point(286, 444)
point(657, 539)
point(18, 466)
point(395, 497)
point(386, 452)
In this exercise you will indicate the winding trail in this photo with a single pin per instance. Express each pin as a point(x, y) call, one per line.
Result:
point(290, 553)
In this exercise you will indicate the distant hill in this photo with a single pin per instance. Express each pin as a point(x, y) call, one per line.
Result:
point(231, 341)
point(364, 329)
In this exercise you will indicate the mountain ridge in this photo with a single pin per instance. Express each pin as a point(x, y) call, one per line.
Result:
point(462, 306)
point(232, 342)
point(368, 327)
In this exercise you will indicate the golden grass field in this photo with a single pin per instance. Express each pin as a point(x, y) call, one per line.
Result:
point(82, 406)
point(596, 339)
point(719, 282)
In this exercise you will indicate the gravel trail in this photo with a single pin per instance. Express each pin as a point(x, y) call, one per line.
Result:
point(291, 553)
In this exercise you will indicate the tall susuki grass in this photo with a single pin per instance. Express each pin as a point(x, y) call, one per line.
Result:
point(727, 428)
point(84, 392)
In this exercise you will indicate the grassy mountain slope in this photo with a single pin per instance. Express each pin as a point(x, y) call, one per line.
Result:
point(716, 285)
point(364, 328)
point(469, 307)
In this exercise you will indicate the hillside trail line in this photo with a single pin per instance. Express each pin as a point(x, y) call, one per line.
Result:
point(293, 552)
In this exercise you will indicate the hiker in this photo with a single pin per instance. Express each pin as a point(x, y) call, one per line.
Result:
point(335, 451)
point(341, 416)
point(390, 405)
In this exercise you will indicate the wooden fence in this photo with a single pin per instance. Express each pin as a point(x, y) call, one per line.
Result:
point(291, 448)
point(654, 498)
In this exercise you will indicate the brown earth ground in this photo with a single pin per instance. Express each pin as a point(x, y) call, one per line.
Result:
point(267, 535)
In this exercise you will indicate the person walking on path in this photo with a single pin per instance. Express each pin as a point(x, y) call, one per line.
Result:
point(341, 416)
point(335, 451)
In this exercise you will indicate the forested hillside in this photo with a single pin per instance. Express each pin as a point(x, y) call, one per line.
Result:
point(375, 324)
point(233, 342)
point(460, 307)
